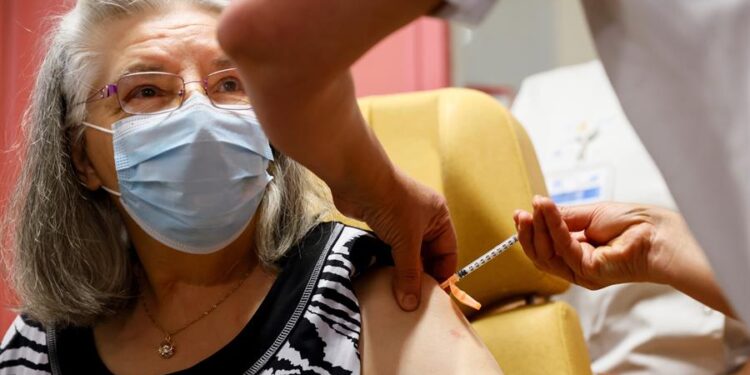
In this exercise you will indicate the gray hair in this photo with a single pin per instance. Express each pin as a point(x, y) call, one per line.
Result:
point(70, 259)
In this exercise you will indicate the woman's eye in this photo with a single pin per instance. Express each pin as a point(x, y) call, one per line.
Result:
point(230, 85)
point(144, 92)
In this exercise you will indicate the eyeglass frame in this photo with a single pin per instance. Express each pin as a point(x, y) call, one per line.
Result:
point(111, 89)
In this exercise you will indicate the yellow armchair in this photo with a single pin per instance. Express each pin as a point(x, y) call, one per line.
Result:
point(467, 146)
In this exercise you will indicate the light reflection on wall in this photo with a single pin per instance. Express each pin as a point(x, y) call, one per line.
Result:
point(519, 38)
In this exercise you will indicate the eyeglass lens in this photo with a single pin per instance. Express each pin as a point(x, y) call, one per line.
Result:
point(148, 93)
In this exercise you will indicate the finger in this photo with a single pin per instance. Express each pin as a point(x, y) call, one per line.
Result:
point(555, 266)
point(526, 234)
point(559, 268)
point(564, 245)
point(440, 253)
point(542, 239)
point(625, 259)
point(577, 218)
point(526, 239)
point(441, 267)
point(407, 283)
point(579, 236)
point(601, 221)
point(596, 269)
point(558, 230)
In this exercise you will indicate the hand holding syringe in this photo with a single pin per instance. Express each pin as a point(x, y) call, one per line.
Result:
point(460, 295)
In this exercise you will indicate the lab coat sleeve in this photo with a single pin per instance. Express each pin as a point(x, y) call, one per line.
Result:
point(681, 69)
point(469, 12)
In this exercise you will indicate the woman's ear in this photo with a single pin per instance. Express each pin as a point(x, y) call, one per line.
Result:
point(85, 171)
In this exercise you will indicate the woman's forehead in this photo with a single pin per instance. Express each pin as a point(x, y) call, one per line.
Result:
point(171, 40)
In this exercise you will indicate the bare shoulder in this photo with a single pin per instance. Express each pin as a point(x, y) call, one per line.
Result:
point(435, 339)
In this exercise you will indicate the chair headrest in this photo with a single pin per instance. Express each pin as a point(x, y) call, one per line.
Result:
point(467, 146)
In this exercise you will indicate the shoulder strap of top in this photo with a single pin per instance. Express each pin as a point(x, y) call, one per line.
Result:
point(24, 349)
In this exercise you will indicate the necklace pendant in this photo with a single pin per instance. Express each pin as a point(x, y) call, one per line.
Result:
point(166, 348)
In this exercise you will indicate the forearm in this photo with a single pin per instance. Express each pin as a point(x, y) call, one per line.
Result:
point(705, 289)
point(295, 57)
point(688, 269)
point(326, 132)
point(698, 281)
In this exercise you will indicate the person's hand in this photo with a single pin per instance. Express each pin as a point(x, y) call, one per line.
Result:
point(603, 244)
point(415, 221)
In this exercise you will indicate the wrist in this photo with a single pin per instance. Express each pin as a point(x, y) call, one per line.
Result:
point(681, 257)
point(365, 167)
point(689, 270)
point(665, 254)
point(366, 179)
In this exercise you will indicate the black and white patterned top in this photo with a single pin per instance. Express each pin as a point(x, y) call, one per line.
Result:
point(309, 323)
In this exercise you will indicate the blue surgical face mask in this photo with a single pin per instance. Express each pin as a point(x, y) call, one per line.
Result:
point(193, 178)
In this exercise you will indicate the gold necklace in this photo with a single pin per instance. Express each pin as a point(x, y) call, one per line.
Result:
point(166, 348)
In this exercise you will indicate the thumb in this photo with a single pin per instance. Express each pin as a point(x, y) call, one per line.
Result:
point(407, 283)
point(577, 218)
point(440, 254)
point(439, 248)
point(601, 221)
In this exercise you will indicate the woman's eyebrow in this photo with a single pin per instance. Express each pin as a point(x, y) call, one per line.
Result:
point(140, 67)
point(222, 62)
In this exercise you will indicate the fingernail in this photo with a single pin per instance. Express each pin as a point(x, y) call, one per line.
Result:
point(409, 302)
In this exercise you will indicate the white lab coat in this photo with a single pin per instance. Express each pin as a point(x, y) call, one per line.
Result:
point(629, 328)
point(681, 69)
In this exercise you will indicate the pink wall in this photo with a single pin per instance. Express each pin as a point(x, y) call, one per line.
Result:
point(22, 23)
point(415, 58)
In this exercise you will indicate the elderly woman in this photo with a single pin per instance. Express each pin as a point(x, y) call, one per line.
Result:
point(157, 231)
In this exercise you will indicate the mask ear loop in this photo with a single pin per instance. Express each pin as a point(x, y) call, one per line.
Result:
point(108, 131)
point(108, 190)
point(99, 128)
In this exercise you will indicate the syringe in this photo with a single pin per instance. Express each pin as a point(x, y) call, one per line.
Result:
point(482, 260)
point(479, 262)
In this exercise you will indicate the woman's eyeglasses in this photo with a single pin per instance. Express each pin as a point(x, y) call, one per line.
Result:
point(159, 92)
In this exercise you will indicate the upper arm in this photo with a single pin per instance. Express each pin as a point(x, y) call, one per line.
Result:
point(435, 339)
